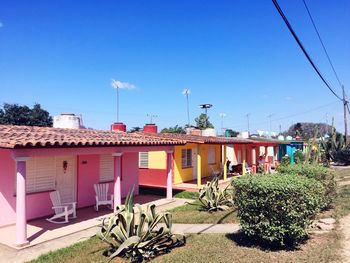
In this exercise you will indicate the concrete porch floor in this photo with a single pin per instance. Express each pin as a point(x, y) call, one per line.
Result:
point(192, 185)
point(40, 230)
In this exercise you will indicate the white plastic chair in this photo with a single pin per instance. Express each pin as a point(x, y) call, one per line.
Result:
point(101, 191)
point(61, 209)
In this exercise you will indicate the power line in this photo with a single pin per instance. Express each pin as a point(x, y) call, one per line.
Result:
point(302, 48)
point(319, 37)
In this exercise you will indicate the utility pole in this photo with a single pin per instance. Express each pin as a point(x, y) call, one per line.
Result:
point(247, 115)
point(186, 92)
point(345, 102)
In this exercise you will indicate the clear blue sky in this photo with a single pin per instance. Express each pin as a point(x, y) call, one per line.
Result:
point(236, 55)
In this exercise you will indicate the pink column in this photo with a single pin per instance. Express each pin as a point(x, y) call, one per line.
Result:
point(117, 179)
point(253, 160)
point(169, 180)
point(21, 217)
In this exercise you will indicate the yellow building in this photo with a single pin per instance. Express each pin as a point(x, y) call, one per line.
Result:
point(200, 157)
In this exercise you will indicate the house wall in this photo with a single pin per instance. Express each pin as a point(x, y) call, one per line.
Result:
point(39, 204)
point(186, 174)
point(182, 174)
point(155, 174)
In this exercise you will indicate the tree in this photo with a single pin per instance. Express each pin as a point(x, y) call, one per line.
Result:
point(14, 114)
point(135, 129)
point(232, 133)
point(203, 122)
point(307, 130)
point(175, 129)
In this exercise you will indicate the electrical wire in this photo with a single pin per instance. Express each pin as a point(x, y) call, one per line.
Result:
point(302, 48)
point(323, 46)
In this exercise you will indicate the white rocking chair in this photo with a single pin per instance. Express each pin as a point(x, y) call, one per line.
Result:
point(101, 191)
point(61, 209)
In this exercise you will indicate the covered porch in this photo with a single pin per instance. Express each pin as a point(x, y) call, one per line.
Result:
point(81, 171)
point(40, 230)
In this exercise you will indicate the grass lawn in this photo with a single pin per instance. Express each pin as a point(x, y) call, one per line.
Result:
point(209, 248)
point(222, 247)
point(193, 214)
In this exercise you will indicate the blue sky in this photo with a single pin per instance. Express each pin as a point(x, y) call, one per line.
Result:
point(236, 55)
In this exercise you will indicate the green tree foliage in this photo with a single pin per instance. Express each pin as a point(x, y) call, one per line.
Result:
point(232, 133)
point(307, 130)
point(202, 122)
point(14, 114)
point(175, 129)
point(135, 129)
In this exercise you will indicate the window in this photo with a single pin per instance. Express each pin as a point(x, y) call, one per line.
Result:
point(186, 158)
point(106, 168)
point(143, 160)
point(211, 156)
point(40, 174)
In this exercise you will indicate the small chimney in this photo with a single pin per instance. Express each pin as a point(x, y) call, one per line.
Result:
point(118, 126)
point(150, 128)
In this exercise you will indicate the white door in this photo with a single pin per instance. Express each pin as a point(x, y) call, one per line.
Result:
point(194, 163)
point(66, 178)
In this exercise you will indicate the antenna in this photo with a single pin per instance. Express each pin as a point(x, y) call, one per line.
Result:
point(152, 117)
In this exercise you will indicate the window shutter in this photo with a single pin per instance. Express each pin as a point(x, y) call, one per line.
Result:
point(211, 156)
point(106, 168)
point(40, 174)
point(143, 160)
point(186, 158)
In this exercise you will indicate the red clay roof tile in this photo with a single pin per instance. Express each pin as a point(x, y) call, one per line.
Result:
point(12, 136)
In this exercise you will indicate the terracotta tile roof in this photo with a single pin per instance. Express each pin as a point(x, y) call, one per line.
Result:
point(201, 139)
point(25, 136)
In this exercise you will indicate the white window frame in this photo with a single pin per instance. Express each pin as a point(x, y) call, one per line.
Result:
point(212, 155)
point(106, 168)
point(143, 160)
point(186, 158)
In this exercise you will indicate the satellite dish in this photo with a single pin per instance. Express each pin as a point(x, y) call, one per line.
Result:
point(260, 132)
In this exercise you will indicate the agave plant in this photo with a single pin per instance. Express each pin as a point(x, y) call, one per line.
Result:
point(134, 233)
point(212, 198)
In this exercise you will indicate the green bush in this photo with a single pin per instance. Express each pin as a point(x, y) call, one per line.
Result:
point(285, 161)
point(299, 156)
point(322, 174)
point(277, 209)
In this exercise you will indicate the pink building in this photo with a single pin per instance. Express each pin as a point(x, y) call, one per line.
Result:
point(35, 161)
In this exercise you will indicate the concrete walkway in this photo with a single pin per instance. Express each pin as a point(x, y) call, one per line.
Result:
point(8, 254)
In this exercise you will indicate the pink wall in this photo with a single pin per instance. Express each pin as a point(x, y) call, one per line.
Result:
point(7, 201)
point(130, 173)
point(88, 175)
point(39, 204)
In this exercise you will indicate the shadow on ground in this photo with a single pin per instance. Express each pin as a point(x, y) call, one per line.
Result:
point(240, 239)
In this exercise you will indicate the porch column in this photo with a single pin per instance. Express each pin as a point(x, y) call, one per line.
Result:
point(170, 172)
point(117, 180)
point(266, 152)
point(253, 160)
point(21, 217)
point(244, 156)
point(225, 163)
point(199, 170)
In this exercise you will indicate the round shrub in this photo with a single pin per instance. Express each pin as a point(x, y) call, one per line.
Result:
point(277, 209)
point(322, 174)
